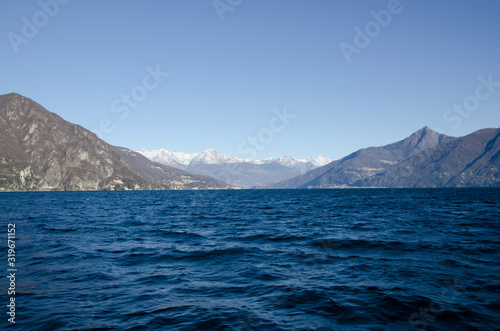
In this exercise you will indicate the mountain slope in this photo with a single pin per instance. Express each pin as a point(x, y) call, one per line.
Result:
point(174, 159)
point(366, 162)
point(472, 160)
point(241, 172)
point(245, 173)
point(41, 151)
point(303, 165)
point(211, 156)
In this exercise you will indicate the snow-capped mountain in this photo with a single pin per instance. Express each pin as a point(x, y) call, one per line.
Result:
point(318, 161)
point(172, 158)
point(211, 156)
point(303, 165)
point(241, 172)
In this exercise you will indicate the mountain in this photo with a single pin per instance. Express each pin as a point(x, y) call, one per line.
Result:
point(303, 165)
point(211, 156)
point(365, 163)
point(245, 174)
point(41, 151)
point(472, 160)
point(236, 171)
point(171, 158)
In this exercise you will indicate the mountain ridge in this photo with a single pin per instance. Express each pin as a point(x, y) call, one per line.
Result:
point(166, 155)
point(468, 161)
point(39, 150)
point(365, 162)
point(402, 164)
point(246, 173)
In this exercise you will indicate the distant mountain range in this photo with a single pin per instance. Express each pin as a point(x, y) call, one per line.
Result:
point(425, 159)
point(245, 173)
point(41, 151)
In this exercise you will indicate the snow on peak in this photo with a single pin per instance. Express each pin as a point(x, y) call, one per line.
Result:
point(167, 157)
point(290, 161)
point(319, 161)
point(211, 156)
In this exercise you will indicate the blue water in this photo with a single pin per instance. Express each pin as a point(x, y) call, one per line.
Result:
point(373, 259)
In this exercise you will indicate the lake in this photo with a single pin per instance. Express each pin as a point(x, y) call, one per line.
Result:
point(354, 259)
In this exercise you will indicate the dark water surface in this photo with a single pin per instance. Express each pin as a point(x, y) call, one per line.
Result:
point(374, 259)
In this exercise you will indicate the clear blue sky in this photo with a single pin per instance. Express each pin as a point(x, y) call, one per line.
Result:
point(226, 76)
